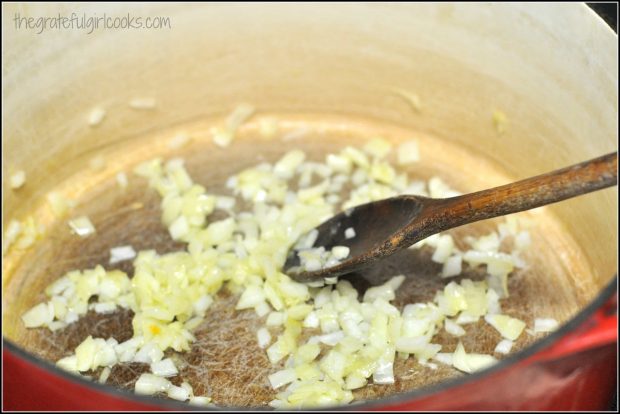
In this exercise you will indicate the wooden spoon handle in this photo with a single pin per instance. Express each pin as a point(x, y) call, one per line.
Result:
point(530, 193)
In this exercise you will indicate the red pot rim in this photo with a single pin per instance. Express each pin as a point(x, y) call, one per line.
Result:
point(566, 329)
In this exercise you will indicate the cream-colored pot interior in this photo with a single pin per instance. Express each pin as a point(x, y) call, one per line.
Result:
point(550, 68)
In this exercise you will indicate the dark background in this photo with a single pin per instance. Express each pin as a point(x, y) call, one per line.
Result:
point(608, 11)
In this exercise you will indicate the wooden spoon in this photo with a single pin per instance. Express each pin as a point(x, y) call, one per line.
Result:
point(386, 226)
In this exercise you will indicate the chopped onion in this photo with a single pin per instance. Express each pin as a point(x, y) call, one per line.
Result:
point(164, 368)
point(275, 319)
point(444, 358)
point(149, 384)
point(332, 338)
point(408, 153)
point(545, 325)
point(82, 226)
point(504, 346)
point(177, 393)
point(68, 363)
point(200, 401)
point(470, 362)
point(263, 337)
point(349, 233)
point(17, 179)
point(40, 315)
point(453, 328)
point(121, 253)
point(378, 148)
point(280, 378)
point(96, 116)
point(384, 373)
point(359, 337)
point(452, 266)
point(509, 328)
point(104, 375)
point(340, 252)
point(445, 246)
point(149, 353)
point(252, 296)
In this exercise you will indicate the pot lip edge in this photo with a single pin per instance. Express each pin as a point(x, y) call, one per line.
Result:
point(396, 399)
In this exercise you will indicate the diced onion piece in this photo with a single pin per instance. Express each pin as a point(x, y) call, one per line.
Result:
point(239, 115)
point(262, 309)
point(149, 384)
point(411, 345)
point(59, 204)
point(149, 353)
point(385, 291)
point(378, 148)
point(177, 393)
point(339, 163)
point(268, 127)
point(252, 296)
point(200, 401)
point(408, 153)
point(355, 381)
point(333, 364)
point(349, 233)
point(340, 252)
point(68, 363)
point(82, 226)
point(504, 346)
point(453, 328)
point(202, 304)
point(445, 246)
point(452, 266)
point(545, 325)
point(509, 328)
point(263, 337)
point(470, 362)
point(164, 368)
point(493, 304)
point(384, 373)
point(488, 243)
point(17, 179)
point(275, 319)
point(286, 166)
point(104, 375)
point(280, 378)
point(311, 320)
point(105, 307)
point(11, 234)
point(444, 358)
point(95, 116)
point(332, 338)
point(121, 253)
point(437, 188)
point(40, 315)
point(179, 228)
point(85, 354)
